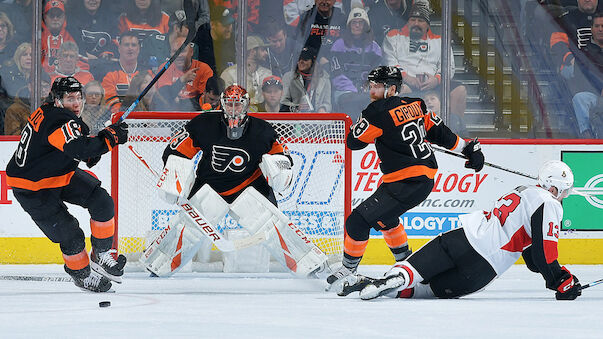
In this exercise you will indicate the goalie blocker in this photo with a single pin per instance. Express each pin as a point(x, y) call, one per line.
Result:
point(266, 224)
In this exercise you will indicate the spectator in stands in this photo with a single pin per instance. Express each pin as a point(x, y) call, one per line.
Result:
point(319, 27)
point(389, 14)
point(158, 51)
point(253, 10)
point(117, 80)
point(272, 90)
point(353, 56)
point(184, 81)
point(432, 102)
point(16, 76)
point(216, 44)
point(587, 82)
point(7, 43)
point(213, 89)
point(93, 25)
point(144, 17)
point(20, 13)
point(294, 8)
point(281, 58)
point(95, 113)
point(67, 61)
point(17, 113)
point(54, 33)
point(307, 88)
point(257, 53)
point(574, 33)
point(417, 50)
point(138, 83)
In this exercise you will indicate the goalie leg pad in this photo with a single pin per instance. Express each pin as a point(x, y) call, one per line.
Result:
point(288, 244)
point(173, 248)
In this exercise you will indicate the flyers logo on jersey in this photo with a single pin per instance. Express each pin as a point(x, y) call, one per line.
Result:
point(223, 158)
point(404, 113)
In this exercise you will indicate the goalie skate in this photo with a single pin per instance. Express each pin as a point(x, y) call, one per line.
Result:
point(105, 264)
point(380, 287)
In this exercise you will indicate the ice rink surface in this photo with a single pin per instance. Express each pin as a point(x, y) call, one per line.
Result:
point(218, 305)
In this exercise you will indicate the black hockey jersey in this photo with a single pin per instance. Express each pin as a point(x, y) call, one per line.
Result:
point(400, 128)
point(228, 166)
point(51, 145)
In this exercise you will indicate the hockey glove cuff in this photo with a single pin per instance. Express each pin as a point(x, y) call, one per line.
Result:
point(473, 152)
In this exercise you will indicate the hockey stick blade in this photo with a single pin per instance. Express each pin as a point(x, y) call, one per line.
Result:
point(485, 163)
point(189, 10)
point(35, 278)
point(596, 282)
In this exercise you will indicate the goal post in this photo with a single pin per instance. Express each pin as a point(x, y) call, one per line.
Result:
point(318, 200)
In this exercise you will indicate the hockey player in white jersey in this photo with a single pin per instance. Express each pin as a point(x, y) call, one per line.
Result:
point(462, 261)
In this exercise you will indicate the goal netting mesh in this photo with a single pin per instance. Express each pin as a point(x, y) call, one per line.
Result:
point(317, 201)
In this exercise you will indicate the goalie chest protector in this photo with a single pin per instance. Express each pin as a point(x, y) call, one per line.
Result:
point(228, 166)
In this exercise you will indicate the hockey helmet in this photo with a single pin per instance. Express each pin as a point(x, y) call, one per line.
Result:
point(63, 85)
point(387, 75)
point(555, 173)
point(235, 101)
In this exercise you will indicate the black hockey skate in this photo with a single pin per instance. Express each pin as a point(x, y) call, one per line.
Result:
point(105, 264)
point(361, 283)
point(380, 287)
point(88, 280)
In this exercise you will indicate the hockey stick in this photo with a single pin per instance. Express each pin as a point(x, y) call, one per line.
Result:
point(596, 282)
point(189, 10)
point(196, 218)
point(485, 163)
point(34, 278)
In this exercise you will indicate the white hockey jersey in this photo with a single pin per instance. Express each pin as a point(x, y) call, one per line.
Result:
point(526, 216)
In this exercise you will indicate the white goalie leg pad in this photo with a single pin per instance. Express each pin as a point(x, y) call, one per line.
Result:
point(173, 248)
point(176, 179)
point(288, 244)
point(277, 171)
point(181, 239)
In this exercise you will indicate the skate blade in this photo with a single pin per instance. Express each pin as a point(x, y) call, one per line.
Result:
point(381, 287)
point(100, 270)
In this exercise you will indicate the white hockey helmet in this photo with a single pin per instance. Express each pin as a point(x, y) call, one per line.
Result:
point(555, 173)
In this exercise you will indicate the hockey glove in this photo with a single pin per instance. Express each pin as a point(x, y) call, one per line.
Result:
point(90, 162)
point(115, 134)
point(473, 152)
point(568, 287)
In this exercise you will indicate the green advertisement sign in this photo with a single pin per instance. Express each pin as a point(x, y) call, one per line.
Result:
point(580, 212)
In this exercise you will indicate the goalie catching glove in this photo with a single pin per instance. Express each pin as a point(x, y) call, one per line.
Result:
point(277, 171)
point(176, 179)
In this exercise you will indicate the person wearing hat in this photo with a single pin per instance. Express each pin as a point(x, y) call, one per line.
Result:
point(390, 14)
point(216, 43)
point(93, 25)
point(307, 88)
point(54, 33)
point(256, 54)
point(417, 51)
point(353, 56)
point(272, 90)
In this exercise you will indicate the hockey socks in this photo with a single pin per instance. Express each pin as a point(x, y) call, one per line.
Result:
point(397, 241)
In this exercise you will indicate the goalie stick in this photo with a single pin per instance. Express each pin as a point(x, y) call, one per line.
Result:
point(189, 10)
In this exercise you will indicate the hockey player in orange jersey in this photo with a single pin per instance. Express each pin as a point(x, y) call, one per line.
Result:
point(402, 130)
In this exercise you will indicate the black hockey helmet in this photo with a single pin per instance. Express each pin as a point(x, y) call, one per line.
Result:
point(63, 85)
point(387, 75)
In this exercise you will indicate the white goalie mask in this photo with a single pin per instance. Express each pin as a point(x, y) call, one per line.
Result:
point(235, 102)
point(555, 173)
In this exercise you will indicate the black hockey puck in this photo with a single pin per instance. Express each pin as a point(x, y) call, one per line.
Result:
point(104, 304)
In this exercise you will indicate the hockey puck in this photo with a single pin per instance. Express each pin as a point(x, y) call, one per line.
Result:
point(104, 304)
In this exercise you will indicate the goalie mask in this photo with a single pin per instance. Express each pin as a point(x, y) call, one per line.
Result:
point(556, 174)
point(235, 102)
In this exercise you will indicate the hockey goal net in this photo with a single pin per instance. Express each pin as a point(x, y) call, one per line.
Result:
point(318, 200)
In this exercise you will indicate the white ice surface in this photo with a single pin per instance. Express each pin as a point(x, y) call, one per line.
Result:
point(276, 305)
